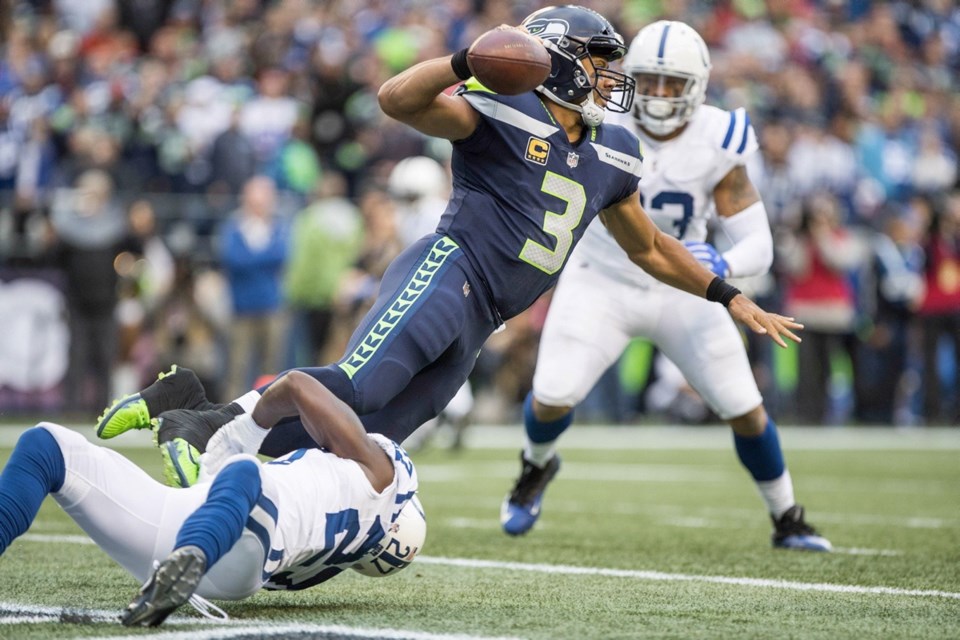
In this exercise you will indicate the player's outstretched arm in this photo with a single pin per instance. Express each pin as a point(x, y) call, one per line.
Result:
point(415, 97)
point(666, 259)
point(743, 220)
point(329, 421)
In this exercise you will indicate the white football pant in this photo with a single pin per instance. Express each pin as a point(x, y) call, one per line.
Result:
point(135, 519)
point(592, 318)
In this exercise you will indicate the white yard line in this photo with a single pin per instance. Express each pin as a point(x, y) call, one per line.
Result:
point(222, 629)
point(66, 539)
point(732, 515)
point(682, 577)
point(642, 437)
point(478, 523)
point(252, 628)
point(581, 472)
point(859, 551)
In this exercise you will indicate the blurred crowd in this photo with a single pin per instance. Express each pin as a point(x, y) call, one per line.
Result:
point(211, 183)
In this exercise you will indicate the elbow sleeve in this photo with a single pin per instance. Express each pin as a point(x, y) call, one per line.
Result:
point(749, 233)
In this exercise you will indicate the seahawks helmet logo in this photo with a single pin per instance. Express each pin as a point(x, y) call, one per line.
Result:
point(548, 29)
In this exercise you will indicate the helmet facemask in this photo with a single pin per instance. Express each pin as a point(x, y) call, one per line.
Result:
point(570, 84)
point(671, 64)
point(665, 101)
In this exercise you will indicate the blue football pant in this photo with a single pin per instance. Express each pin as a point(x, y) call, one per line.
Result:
point(412, 351)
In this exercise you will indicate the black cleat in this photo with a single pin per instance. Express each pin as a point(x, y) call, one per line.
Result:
point(171, 585)
point(183, 434)
point(521, 507)
point(792, 532)
point(179, 388)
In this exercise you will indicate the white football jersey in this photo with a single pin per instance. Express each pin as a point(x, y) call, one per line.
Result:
point(676, 190)
point(329, 513)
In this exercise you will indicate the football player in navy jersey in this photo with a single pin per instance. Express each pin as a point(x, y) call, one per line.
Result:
point(530, 172)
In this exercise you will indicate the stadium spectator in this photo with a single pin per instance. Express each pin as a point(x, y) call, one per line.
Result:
point(358, 287)
point(91, 230)
point(818, 263)
point(939, 312)
point(895, 288)
point(326, 240)
point(253, 247)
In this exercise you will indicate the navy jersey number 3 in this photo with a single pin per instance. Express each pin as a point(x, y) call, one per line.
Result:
point(523, 194)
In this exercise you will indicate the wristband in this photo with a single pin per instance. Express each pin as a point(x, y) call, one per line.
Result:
point(721, 291)
point(459, 64)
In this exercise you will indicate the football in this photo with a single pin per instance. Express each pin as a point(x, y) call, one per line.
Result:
point(509, 61)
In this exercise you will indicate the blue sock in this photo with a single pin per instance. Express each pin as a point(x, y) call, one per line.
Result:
point(35, 469)
point(541, 432)
point(218, 523)
point(761, 455)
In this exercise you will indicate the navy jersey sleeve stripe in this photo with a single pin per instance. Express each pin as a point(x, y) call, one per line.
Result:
point(508, 115)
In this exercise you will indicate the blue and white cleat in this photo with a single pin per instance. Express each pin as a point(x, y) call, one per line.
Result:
point(792, 532)
point(521, 507)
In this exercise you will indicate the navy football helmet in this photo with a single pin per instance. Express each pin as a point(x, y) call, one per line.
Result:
point(572, 33)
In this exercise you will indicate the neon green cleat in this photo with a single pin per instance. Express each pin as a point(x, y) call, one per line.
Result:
point(178, 388)
point(181, 463)
point(128, 413)
point(183, 434)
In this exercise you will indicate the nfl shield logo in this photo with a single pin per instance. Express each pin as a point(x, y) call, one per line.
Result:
point(573, 159)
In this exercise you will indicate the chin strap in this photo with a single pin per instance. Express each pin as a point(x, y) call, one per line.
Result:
point(591, 112)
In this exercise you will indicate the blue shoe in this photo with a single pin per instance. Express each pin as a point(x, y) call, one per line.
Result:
point(521, 507)
point(792, 532)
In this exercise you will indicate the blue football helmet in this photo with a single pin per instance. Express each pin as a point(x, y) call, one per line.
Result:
point(572, 33)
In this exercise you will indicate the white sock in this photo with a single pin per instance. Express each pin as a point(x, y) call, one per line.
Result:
point(248, 400)
point(539, 454)
point(777, 494)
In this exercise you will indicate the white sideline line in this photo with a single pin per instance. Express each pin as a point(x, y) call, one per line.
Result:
point(478, 523)
point(860, 551)
point(267, 630)
point(682, 577)
point(33, 614)
point(39, 537)
point(733, 516)
point(38, 614)
point(582, 472)
point(640, 437)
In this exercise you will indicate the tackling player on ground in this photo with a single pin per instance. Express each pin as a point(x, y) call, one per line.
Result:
point(530, 172)
point(254, 526)
point(694, 160)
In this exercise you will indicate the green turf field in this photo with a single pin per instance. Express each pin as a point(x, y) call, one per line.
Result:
point(646, 533)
